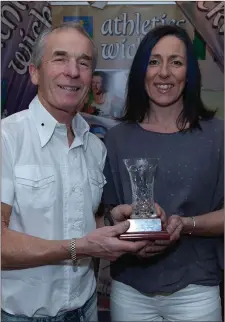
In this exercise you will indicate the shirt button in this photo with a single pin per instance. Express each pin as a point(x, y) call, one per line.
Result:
point(74, 189)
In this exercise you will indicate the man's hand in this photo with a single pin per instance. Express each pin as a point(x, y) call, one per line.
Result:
point(173, 227)
point(104, 242)
point(121, 213)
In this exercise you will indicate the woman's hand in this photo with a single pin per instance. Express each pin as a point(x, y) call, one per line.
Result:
point(173, 225)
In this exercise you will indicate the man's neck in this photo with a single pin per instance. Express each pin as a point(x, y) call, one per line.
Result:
point(62, 118)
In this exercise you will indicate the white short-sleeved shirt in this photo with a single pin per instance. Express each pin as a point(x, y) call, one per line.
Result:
point(54, 191)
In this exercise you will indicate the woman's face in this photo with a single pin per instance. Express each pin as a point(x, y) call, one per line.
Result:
point(166, 72)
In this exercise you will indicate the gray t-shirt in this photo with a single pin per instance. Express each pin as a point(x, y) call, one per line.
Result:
point(189, 182)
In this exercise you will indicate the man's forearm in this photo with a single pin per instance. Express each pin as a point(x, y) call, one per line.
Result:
point(211, 224)
point(21, 251)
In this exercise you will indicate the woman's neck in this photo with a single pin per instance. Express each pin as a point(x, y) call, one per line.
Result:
point(162, 119)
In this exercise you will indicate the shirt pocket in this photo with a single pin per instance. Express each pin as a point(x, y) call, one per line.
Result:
point(35, 186)
point(97, 182)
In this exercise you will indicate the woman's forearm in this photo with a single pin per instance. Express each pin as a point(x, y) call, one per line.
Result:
point(210, 224)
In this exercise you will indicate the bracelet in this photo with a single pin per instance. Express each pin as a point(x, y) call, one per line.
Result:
point(73, 251)
point(194, 224)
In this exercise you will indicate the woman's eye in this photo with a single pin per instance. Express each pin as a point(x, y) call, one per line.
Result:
point(177, 62)
point(153, 62)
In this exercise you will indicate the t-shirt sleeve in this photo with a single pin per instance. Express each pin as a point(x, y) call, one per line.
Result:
point(8, 186)
point(218, 200)
point(109, 192)
point(110, 196)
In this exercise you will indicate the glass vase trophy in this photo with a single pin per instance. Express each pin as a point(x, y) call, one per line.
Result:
point(144, 222)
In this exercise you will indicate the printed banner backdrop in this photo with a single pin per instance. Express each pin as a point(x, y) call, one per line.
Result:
point(117, 31)
point(208, 19)
point(21, 23)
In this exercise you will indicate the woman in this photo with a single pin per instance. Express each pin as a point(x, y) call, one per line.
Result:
point(166, 119)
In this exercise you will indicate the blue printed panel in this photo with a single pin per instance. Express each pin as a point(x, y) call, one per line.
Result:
point(85, 21)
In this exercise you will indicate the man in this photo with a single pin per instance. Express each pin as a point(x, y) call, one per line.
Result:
point(102, 100)
point(52, 183)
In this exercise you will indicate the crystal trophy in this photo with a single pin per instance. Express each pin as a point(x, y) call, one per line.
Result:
point(144, 222)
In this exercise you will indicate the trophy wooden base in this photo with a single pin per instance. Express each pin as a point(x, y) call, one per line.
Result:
point(151, 235)
point(145, 229)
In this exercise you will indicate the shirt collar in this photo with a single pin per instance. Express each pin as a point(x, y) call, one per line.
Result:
point(46, 123)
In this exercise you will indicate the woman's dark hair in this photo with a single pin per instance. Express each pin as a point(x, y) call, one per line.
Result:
point(137, 100)
point(104, 78)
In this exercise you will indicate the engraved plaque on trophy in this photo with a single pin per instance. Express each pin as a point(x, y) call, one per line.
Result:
point(144, 222)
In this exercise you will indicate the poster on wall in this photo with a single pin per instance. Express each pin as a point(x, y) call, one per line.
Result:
point(208, 19)
point(117, 31)
point(21, 24)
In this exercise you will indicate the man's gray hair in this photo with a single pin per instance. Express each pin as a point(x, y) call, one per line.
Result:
point(38, 48)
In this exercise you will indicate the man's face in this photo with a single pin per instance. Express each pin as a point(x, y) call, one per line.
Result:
point(65, 74)
point(97, 84)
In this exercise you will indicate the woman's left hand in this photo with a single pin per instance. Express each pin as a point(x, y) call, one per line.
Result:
point(174, 228)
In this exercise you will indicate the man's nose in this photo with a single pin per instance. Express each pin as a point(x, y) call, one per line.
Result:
point(72, 69)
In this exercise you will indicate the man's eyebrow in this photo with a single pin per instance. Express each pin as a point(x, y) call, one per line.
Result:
point(64, 53)
point(84, 56)
point(59, 53)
